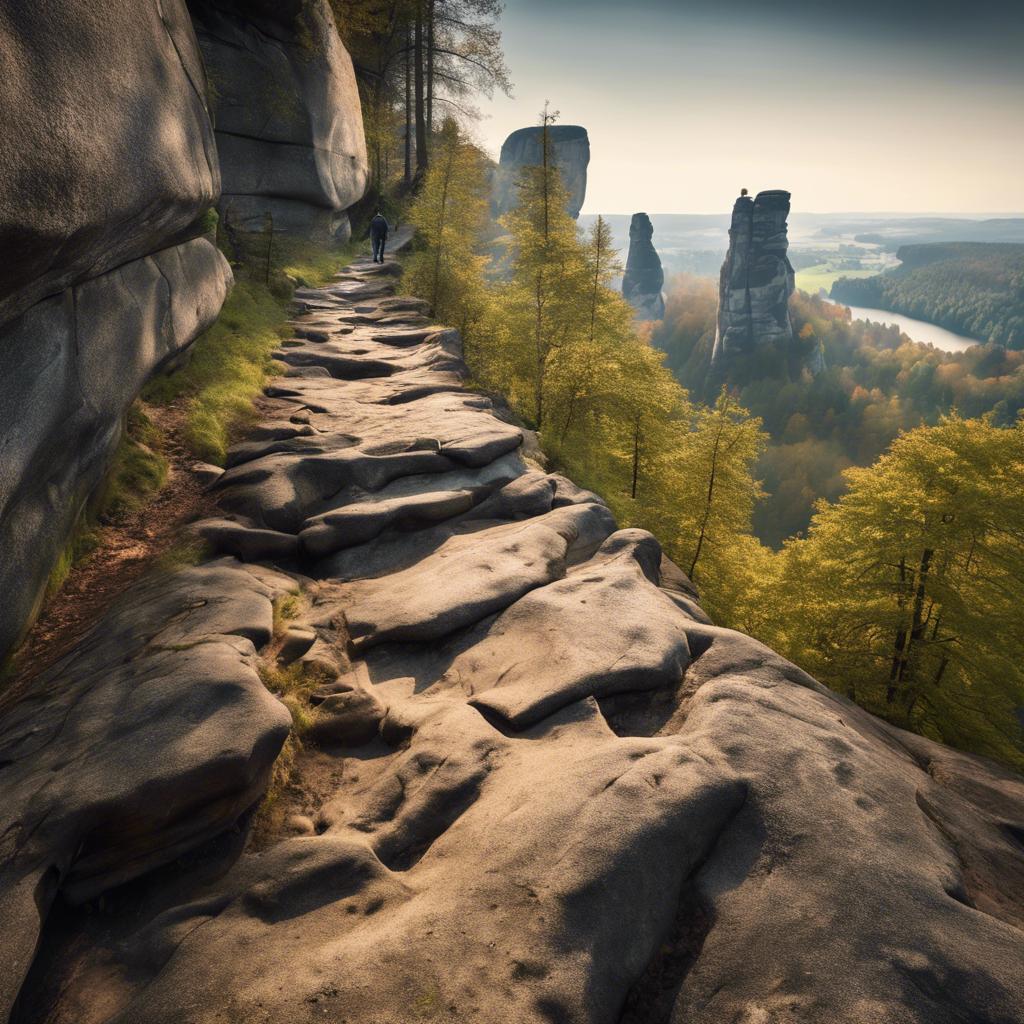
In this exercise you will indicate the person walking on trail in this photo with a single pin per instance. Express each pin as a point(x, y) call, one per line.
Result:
point(378, 236)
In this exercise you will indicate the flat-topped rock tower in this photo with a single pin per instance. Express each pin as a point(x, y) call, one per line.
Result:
point(570, 148)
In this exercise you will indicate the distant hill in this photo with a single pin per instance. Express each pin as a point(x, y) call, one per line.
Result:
point(892, 234)
point(973, 288)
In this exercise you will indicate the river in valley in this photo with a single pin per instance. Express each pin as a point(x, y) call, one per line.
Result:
point(916, 330)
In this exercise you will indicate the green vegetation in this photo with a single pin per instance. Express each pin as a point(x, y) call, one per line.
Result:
point(974, 288)
point(138, 471)
point(876, 384)
point(824, 275)
point(312, 264)
point(904, 593)
point(451, 208)
point(227, 368)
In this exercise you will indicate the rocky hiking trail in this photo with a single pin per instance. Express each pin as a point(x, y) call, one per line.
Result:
point(536, 783)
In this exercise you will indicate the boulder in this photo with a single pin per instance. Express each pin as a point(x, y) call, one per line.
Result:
point(756, 281)
point(570, 147)
point(644, 278)
point(287, 115)
point(108, 164)
point(108, 150)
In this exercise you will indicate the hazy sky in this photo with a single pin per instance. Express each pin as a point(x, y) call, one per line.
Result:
point(881, 105)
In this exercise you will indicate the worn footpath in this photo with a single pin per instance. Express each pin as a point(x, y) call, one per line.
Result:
point(535, 783)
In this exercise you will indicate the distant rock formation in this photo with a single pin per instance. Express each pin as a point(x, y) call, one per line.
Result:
point(287, 115)
point(105, 271)
point(756, 280)
point(570, 148)
point(643, 280)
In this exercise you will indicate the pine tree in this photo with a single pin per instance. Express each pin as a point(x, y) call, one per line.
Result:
point(449, 215)
point(544, 303)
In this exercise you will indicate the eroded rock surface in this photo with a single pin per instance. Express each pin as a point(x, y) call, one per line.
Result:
point(644, 277)
point(288, 119)
point(153, 736)
point(570, 149)
point(109, 152)
point(544, 786)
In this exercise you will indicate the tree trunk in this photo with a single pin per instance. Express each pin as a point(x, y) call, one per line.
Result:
point(705, 519)
point(900, 675)
point(421, 116)
point(430, 67)
point(568, 418)
point(636, 456)
point(408, 108)
point(544, 159)
point(441, 221)
point(539, 341)
point(900, 639)
point(597, 280)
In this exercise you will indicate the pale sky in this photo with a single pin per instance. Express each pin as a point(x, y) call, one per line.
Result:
point(864, 105)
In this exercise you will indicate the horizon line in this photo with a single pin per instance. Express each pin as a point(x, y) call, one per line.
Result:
point(981, 214)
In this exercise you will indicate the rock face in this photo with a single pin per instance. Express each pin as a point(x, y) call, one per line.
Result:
point(756, 280)
point(109, 154)
point(547, 788)
point(287, 115)
point(570, 148)
point(108, 162)
point(644, 278)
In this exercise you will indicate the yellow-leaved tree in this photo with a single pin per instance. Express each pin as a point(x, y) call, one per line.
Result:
point(907, 592)
point(449, 215)
point(543, 310)
point(714, 492)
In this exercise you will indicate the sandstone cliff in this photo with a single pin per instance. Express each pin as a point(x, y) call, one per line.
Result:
point(756, 281)
point(108, 162)
point(287, 115)
point(541, 784)
point(570, 148)
point(644, 278)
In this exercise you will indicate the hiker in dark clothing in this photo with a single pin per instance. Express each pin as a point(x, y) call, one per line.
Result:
point(378, 236)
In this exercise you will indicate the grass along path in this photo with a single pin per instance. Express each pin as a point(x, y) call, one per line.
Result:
point(186, 416)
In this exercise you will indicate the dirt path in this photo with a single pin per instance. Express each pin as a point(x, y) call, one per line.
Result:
point(126, 549)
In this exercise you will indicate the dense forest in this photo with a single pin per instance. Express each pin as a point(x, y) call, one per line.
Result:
point(897, 588)
point(876, 383)
point(974, 288)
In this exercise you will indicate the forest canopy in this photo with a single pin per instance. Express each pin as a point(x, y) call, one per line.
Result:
point(974, 288)
point(876, 383)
